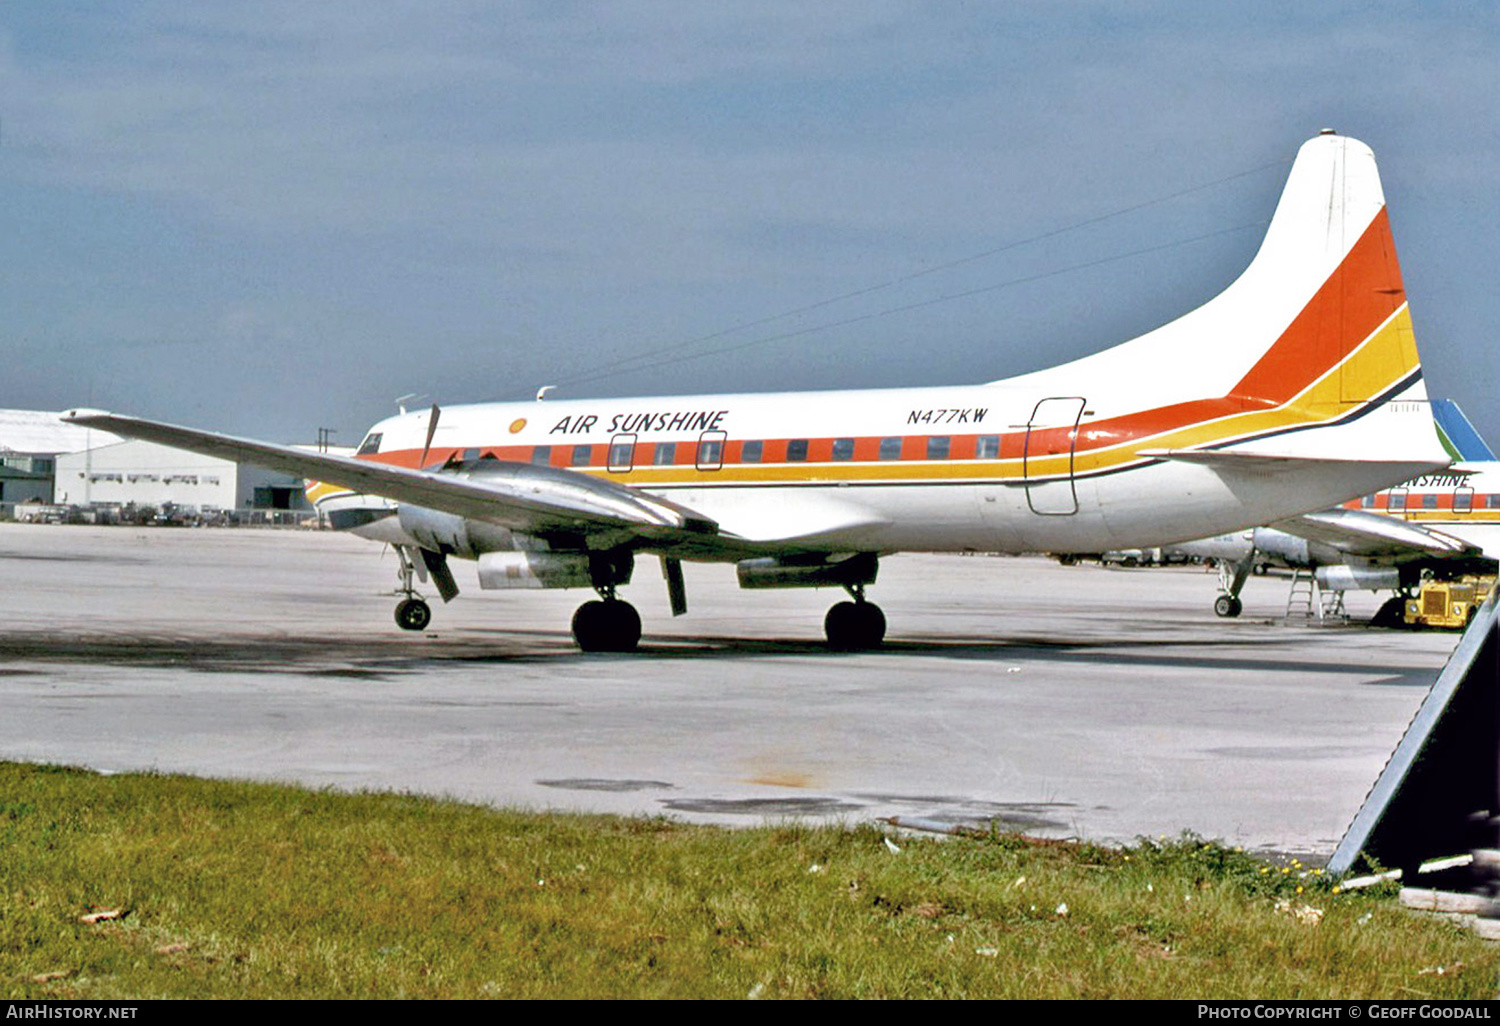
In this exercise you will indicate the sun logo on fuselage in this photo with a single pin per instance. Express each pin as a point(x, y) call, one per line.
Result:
point(517, 425)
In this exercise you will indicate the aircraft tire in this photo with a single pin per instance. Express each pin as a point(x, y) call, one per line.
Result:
point(1228, 606)
point(854, 626)
point(1392, 613)
point(607, 625)
point(413, 614)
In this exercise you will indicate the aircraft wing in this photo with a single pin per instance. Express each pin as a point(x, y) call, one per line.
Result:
point(518, 496)
point(1373, 536)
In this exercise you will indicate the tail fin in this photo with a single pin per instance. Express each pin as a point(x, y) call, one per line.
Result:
point(1329, 262)
point(1458, 435)
point(1309, 341)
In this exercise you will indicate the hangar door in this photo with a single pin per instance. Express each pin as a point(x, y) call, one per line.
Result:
point(1051, 438)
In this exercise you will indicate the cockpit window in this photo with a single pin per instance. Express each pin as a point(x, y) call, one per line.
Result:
point(371, 444)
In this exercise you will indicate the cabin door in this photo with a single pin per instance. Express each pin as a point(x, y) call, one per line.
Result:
point(1051, 438)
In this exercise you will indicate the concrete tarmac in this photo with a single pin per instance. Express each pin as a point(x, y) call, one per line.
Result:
point(1065, 701)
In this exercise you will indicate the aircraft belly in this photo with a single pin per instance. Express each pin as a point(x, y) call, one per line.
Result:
point(1158, 504)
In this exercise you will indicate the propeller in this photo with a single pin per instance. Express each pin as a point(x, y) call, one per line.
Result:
point(432, 423)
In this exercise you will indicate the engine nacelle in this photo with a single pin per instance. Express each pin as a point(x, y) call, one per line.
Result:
point(448, 532)
point(1342, 577)
point(1288, 548)
point(500, 570)
point(807, 572)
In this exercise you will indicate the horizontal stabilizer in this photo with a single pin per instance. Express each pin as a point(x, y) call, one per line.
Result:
point(1459, 436)
point(1271, 463)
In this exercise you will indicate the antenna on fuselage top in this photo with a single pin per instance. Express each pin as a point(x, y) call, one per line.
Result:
point(401, 401)
point(541, 393)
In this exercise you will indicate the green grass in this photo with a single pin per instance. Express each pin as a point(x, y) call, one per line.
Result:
point(249, 890)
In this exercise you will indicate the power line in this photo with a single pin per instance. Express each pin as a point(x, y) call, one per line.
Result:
point(688, 357)
point(644, 360)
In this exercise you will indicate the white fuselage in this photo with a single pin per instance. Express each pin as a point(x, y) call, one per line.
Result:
point(976, 468)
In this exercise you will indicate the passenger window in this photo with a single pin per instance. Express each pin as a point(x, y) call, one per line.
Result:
point(751, 452)
point(1396, 500)
point(621, 453)
point(1429, 501)
point(541, 455)
point(710, 450)
point(1492, 502)
point(843, 449)
point(1368, 502)
point(987, 447)
point(937, 447)
point(582, 455)
point(890, 448)
point(796, 450)
point(665, 455)
point(1463, 500)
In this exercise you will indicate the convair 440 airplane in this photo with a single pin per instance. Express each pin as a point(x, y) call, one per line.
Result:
point(1295, 389)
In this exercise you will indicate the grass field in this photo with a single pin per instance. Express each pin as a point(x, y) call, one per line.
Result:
point(199, 888)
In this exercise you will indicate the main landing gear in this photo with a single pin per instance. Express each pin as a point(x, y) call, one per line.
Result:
point(608, 623)
point(854, 626)
point(412, 612)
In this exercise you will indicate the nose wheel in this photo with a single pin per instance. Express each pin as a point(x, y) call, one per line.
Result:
point(1228, 606)
point(413, 614)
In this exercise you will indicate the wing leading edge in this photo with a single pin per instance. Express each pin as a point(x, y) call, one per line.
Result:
point(1372, 536)
point(517, 496)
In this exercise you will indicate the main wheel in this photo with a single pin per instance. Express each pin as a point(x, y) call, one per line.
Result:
point(607, 625)
point(413, 614)
point(1392, 613)
point(1228, 606)
point(851, 626)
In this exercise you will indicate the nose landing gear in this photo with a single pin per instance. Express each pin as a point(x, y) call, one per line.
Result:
point(412, 612)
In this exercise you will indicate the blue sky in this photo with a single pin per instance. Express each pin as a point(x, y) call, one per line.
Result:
point(270, 217)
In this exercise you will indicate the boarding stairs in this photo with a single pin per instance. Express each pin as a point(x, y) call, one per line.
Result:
point(1306, 601)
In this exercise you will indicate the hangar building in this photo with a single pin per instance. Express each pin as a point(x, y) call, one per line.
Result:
point(43, 459)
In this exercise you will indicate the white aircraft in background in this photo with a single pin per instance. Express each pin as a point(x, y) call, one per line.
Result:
point(1296, 388)
point(1442, 526)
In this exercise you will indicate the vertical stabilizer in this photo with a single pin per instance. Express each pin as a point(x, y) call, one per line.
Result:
point(1308, 354)
point(1460, 438)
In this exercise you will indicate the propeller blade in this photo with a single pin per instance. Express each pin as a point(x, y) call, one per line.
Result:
point(432, 423)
